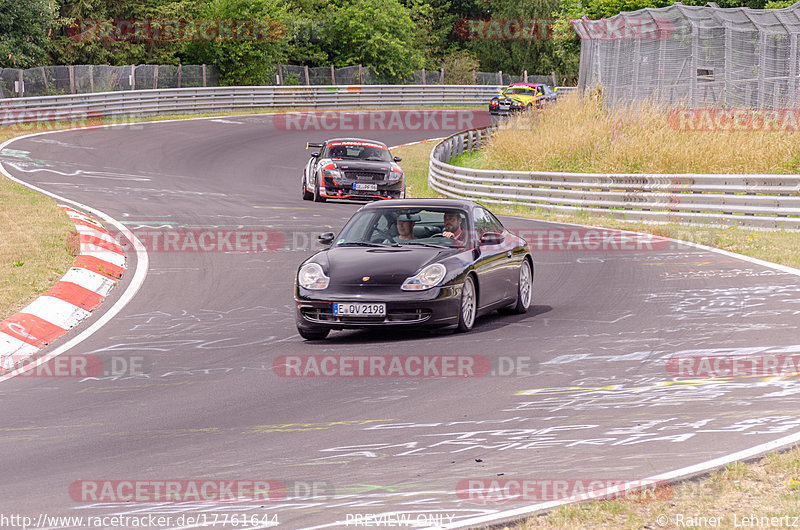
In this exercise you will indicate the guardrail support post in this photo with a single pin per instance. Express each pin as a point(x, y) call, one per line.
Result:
point(46, 84)
point(423, 77)
point(133, 77)
point(333, 75)
point(360, 76)
point(441, 76)
point(20, 83)
point(179, 75)
point(91, 78)
point(280, 75)
point(305, 69)
point(525, 76)
point(155, 77)
point(204, 76)
point(71, 79)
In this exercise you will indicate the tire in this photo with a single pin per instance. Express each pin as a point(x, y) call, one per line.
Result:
point(468, 307)
point(307, 195)
point(313, 334)
point(317, 196)
point(524, 289)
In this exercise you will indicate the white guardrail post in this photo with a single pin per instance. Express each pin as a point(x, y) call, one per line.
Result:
point(753, 201)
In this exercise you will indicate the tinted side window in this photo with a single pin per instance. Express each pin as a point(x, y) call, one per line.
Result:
point(486, 222)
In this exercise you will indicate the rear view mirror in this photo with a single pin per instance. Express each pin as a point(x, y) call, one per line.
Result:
point(398, 159)
point(315, 155)
point(326, 238)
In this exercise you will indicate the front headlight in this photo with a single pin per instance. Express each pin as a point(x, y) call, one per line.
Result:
point(395, 175)
point(332, 173)
point(311, 276)
point(427, 278)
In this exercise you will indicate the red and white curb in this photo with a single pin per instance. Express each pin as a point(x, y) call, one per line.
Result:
point(93, 274)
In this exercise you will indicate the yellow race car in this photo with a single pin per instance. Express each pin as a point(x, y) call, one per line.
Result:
point(521, 96)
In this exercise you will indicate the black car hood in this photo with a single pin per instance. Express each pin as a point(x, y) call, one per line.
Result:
point(383, 266)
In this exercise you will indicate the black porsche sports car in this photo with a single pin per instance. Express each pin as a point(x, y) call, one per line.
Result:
point(352, 168)
point(413, 262)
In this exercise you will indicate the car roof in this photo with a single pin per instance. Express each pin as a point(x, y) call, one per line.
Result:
point(461, 204)
point(529, 85)
point(329, 140)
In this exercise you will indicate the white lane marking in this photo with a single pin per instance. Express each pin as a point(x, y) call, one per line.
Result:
point(218, 120)
point(78, 172)
point(142, 263)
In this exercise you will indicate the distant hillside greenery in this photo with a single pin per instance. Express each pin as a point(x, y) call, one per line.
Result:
point(393, 37)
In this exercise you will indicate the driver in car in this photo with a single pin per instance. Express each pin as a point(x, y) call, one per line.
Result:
point(452, 227)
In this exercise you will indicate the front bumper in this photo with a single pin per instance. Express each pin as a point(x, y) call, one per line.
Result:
point(435, 307)
point(344, 190)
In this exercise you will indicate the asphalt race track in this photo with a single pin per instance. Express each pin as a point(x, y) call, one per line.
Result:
point(581, 388)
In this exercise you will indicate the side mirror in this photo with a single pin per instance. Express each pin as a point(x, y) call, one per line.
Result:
point(326, 238)
point(491, 238)
point(315, 155)
point(397, 159)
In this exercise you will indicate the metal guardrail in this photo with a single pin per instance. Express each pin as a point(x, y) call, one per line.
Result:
point(223, 99)
point(755, 201)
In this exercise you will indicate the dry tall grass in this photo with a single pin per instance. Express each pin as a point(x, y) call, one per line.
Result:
point(579, 135)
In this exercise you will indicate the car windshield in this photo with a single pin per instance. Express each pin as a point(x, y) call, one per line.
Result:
point(519, 91)
point(395, 227)
point(358, 150)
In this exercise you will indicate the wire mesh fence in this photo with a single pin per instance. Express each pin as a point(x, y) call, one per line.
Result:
point(694, 56)
point(363, 75)
point(84, 79)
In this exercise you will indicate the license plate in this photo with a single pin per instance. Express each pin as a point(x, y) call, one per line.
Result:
point(356, 309)
point(365, 186)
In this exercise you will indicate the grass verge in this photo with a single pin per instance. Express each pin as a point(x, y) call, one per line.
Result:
point(750, 492)
point(777, 247)
point(39, 245)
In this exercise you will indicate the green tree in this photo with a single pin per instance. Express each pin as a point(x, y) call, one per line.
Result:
point(24, 28)
point(376, 33)
point(70, 44)
point(243, 59)
point(510, 48)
